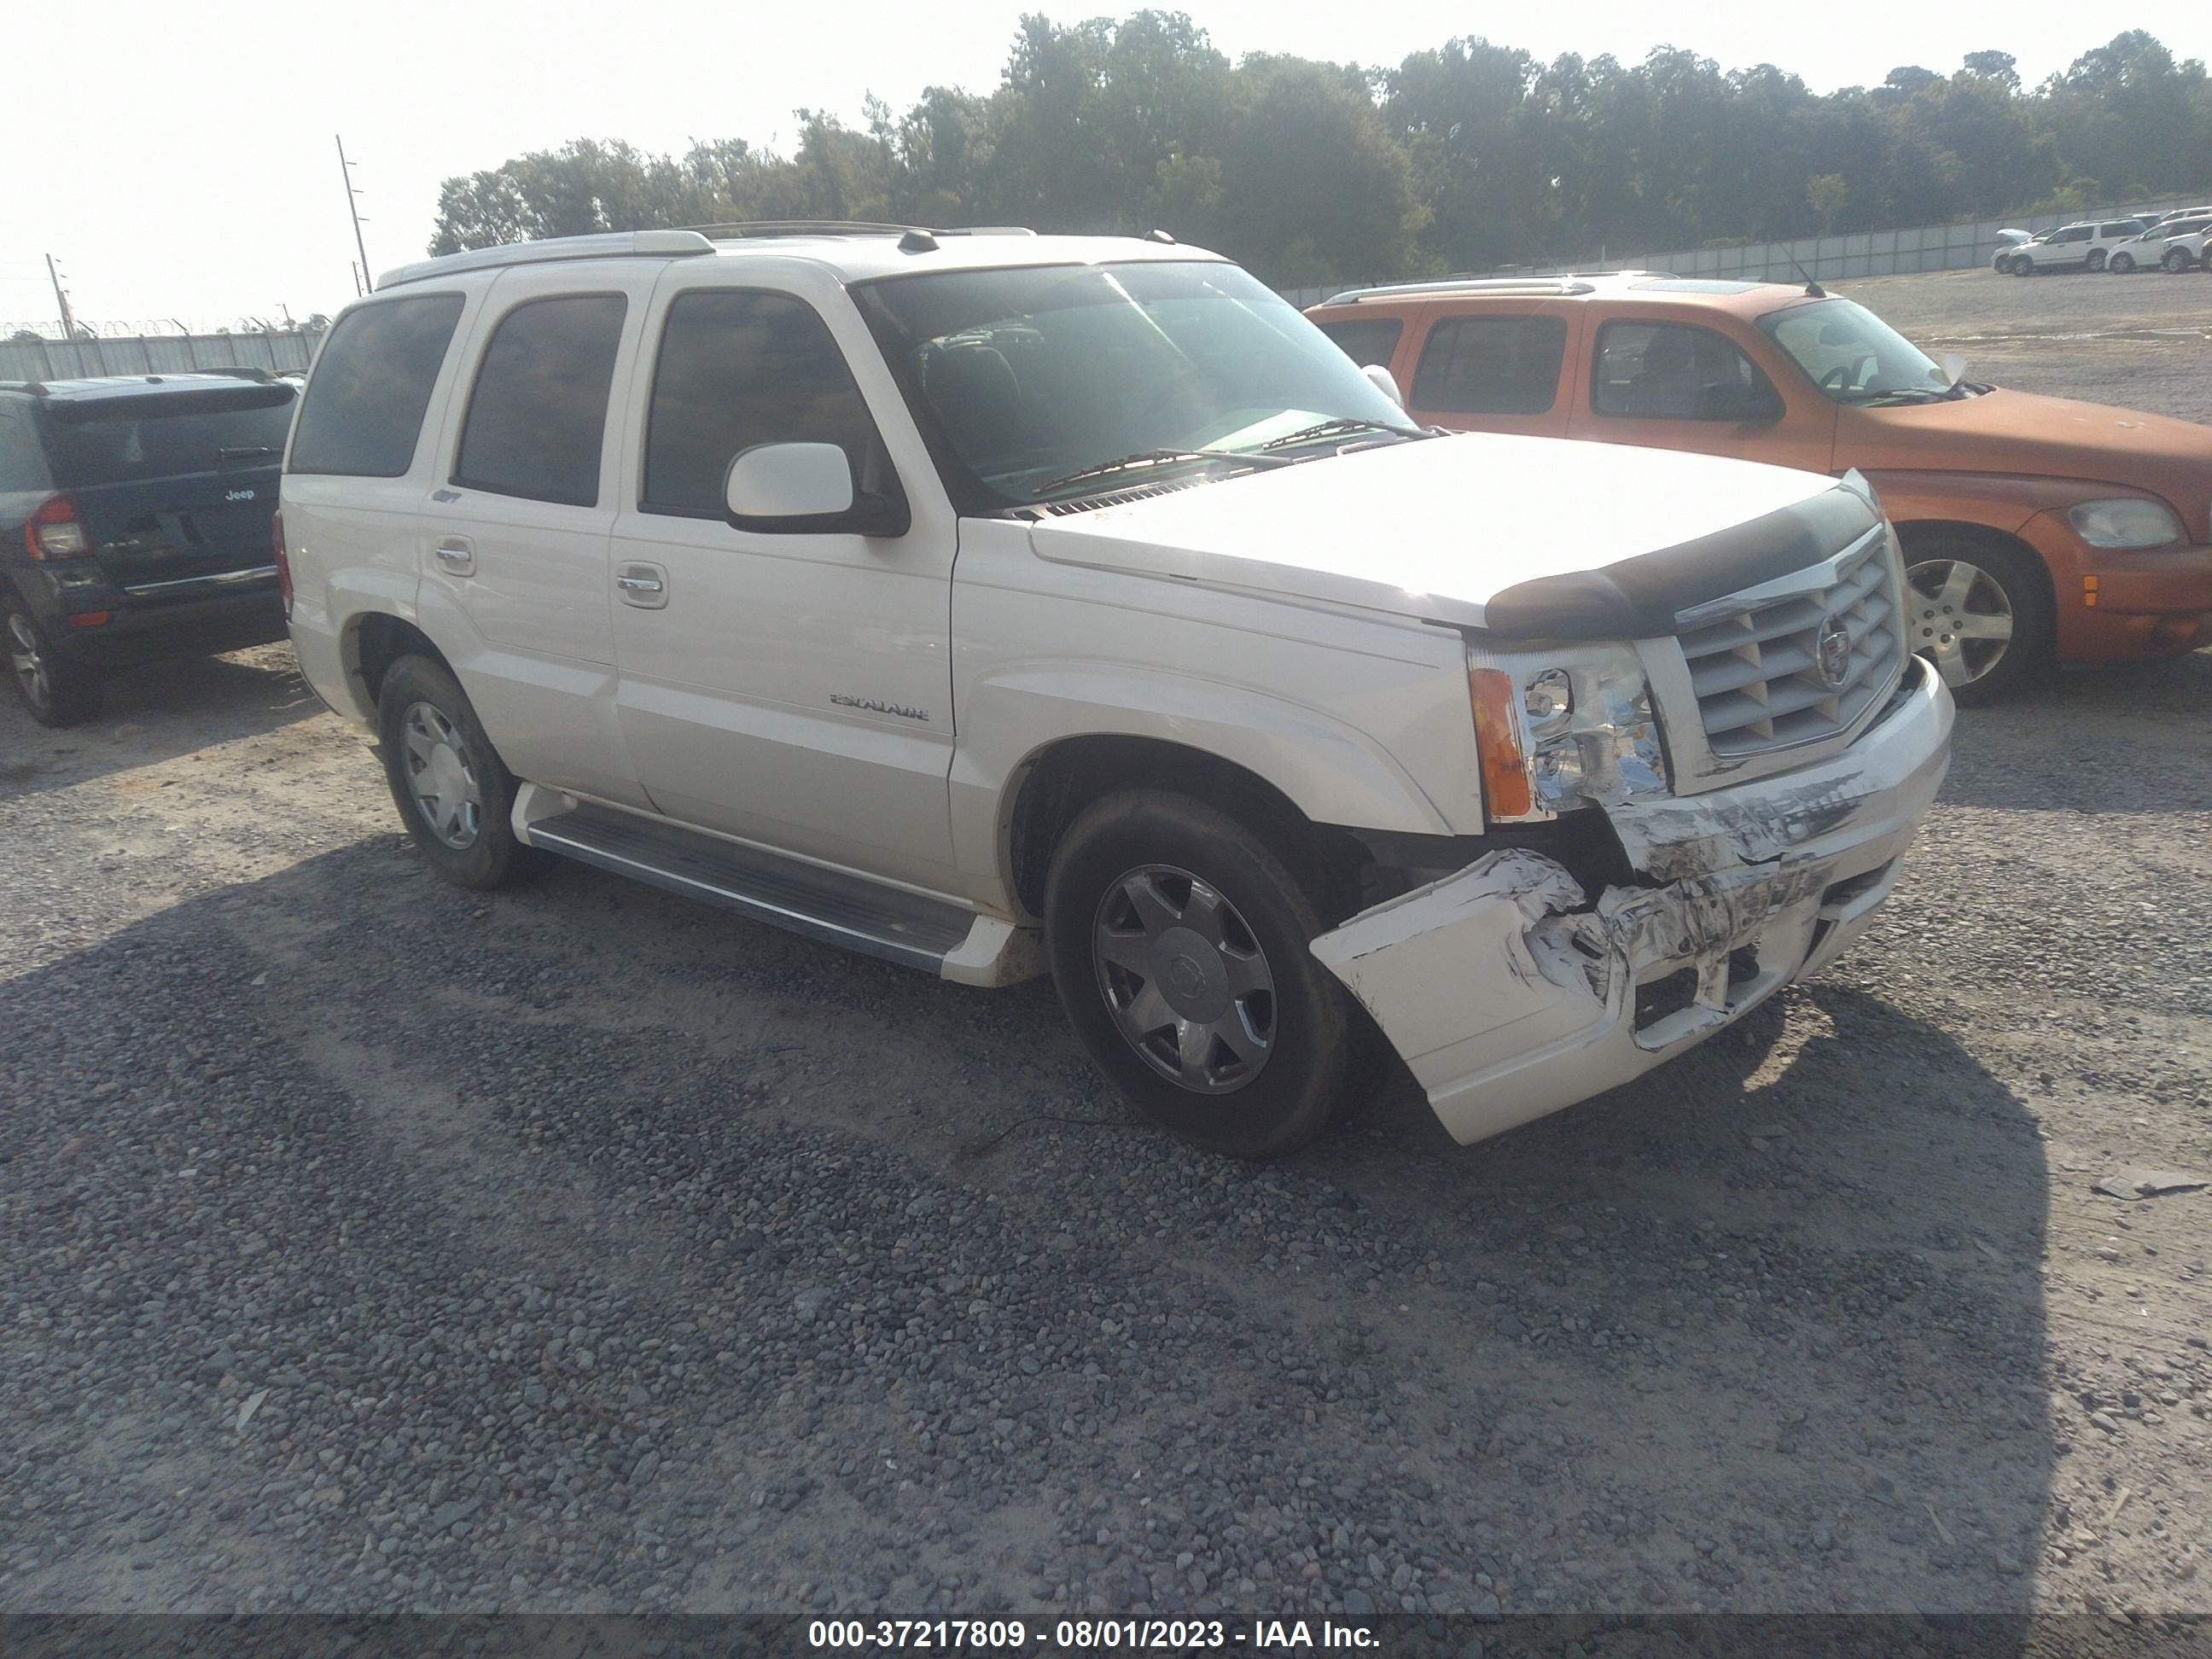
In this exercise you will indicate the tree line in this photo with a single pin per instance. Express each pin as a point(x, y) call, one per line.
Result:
point(1461, 158)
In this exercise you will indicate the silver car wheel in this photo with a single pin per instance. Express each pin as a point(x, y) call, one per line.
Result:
point(1185, 979)
point(1958, 616)
point(28, 661)
point(441, 776)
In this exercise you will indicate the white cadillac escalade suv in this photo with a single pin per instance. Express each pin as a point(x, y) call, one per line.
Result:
point(1001, 605)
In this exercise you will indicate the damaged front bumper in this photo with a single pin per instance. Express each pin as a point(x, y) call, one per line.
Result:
point(1511, 993)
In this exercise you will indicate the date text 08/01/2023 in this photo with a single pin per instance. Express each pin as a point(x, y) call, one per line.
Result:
point(1078, 1634)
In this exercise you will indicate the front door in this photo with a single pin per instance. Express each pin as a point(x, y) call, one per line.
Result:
point(792, 689)
point(1667, 383)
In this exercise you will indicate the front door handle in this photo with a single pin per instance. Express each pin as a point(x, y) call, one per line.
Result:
point(457, 553)
point(645, 586)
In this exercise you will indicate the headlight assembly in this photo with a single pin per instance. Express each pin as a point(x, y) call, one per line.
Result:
point(2126, 521)
point(1559, 730)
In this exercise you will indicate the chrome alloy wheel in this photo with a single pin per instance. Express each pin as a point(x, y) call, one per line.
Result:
point(441, 776)
point(28, 661)
point(1185, 979)
point(1958, 617)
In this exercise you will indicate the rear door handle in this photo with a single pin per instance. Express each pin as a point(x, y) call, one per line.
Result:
point(457, 553)
point(645, 586)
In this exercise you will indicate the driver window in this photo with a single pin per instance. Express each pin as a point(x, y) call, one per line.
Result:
point(738, 367)
point(1657, 371)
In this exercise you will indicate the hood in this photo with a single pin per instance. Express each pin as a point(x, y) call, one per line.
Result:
point(1482, 530)
point(2024, 436)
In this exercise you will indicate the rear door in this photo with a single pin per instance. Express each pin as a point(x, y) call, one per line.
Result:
point(174, 485)
point(514, 536)
point(1501, 368)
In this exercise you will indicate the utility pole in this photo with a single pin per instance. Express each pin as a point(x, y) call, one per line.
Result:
point(345, 169)
point(61, 297)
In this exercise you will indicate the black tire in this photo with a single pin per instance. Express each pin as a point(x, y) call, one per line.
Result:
point(2176, 260)
point(2122, 264)
point(2095, 261)
point(2021, 585)
point(491, 856)
point(52, 690)
point(1308, 1018)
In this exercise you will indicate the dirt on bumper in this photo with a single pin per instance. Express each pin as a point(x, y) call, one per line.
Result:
point(1510, 992)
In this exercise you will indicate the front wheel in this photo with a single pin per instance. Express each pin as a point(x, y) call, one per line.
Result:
point(2121, 264)
point(1981, 614)
point(1177, 939)
point(454, 794)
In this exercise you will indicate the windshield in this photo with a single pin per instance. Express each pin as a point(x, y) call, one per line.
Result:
point(1853, 356)
point(1023, 379)
point(165, 436)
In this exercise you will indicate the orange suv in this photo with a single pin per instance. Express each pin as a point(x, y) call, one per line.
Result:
point(2035, 530)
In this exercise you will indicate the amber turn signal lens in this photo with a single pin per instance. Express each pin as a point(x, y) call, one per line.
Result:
point(1498, 743)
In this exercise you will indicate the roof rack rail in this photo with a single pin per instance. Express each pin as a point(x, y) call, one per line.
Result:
point(678, 243)
point(748, 227)
point(603, 244)
point(1565, 283)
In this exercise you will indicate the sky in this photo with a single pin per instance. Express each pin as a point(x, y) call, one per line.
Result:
point(181, 162)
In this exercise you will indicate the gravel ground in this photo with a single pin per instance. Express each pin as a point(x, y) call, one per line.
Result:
point(373, 1245)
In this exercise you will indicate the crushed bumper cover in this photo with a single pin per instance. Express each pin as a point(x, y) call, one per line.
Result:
point(1511, 993)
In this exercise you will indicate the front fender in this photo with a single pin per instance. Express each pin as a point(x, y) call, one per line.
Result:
point(1331, 770)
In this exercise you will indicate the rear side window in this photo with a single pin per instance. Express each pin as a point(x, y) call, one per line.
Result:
point(371, 384)
point(1369, 341)
point(129, 440)
point(2129, 229)
point(1667, 371)
point(23, 459)
point(1492, 365)
point(539, 410)
point(739, 368)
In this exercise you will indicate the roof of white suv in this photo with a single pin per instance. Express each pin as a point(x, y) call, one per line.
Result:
point(855, 252)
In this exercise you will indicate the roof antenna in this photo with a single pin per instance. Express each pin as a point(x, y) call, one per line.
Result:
point(1812, 289)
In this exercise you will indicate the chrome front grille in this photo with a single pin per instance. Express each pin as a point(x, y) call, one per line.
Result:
point(1757, 668)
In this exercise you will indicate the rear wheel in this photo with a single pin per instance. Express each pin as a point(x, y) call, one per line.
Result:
point(1178, 941)
point(2122, 263)
point(1980, 613)
point(56, 692)
point(2176, 260)
point(454, 793)
point(2096, 260)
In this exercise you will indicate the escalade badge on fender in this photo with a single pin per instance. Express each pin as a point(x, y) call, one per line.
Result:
point(1831, 654)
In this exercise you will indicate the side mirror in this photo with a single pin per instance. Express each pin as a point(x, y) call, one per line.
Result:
point(1726, 400)
point(805, 488)
point(1379, 378)
point(1954, 367)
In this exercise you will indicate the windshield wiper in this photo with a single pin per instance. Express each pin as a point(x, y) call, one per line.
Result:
point(1342, 423)
point(1145, 458)
point(1918, 394)
point(239, 452)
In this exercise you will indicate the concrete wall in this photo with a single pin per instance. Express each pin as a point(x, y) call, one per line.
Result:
point(152, 354)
